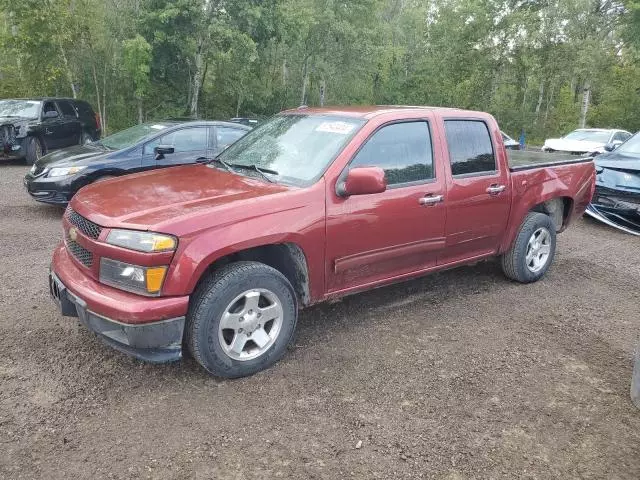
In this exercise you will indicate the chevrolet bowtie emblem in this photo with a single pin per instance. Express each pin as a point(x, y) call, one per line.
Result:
point(73, 234)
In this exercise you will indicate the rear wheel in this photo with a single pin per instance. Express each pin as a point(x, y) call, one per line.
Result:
point(533, 249)
point(34, 150)
point(241, 319)
point(85, 138)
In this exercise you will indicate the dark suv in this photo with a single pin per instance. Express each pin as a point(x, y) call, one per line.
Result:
point(29, 128)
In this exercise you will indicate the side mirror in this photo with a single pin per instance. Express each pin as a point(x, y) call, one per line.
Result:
point(610, 147)
point(162, 150)
point(51, 114)
point(362, 181)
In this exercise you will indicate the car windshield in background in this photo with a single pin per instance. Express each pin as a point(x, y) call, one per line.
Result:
point(132, 135)
point(298, 147)
point(20, 108)
point(631, 146)
point(589, 136)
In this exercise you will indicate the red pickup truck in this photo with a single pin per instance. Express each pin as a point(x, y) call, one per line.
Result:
point(312, 205)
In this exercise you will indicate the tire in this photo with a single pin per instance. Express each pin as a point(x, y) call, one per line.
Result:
point(34, 150)
point(85, 138)
point(525, 262)
point(228, 297)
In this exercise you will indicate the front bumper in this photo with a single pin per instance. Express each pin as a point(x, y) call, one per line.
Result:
point(55, 192)
point(150, 329)
point(616, 208)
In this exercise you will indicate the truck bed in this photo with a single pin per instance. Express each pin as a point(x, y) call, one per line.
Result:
point(528, 159)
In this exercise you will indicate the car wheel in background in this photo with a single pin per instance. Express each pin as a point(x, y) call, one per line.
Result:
point(85, 138)
point(533, 249)
point(34, 150)
point(241, 319)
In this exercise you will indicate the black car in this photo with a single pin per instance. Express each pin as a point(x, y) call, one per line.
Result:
point(56, 177)
point(616, 200)
point(29, 128)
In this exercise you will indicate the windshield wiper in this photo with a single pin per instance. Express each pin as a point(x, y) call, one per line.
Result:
point(226, 166)
point(262, 171)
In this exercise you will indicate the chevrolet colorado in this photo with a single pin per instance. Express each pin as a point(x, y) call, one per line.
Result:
point(312, 205)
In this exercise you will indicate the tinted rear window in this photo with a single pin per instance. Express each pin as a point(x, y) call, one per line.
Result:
point(470, 147)
point(84, 109)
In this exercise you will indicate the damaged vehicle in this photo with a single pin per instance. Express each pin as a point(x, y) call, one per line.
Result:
point(616, 201)
point(587, 141)
point(29, 128)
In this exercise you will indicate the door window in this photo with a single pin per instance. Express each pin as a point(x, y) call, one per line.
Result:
point(66, 109)
point(225, 136)
point(470, 147)
point(402, 150)
point(183, 140)
point(49, 107)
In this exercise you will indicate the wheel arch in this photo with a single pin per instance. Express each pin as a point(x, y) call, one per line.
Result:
point(287, 257)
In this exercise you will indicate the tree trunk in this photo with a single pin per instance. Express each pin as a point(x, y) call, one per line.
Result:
point(540, 98)
point(104, 99)
point(549, 102)
point(197, 80)
point(95, 81)
point(586, 95)
point(140, 111)
point(68, 71)
point(304, 80)
point(238, 103)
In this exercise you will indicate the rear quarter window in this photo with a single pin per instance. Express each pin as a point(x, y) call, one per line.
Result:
point(470, 147)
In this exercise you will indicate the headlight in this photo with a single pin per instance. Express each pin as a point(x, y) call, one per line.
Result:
point(64, 171)
point(132, 278)
point(141, 241)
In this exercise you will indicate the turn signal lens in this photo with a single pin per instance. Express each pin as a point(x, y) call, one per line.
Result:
point(155, 278)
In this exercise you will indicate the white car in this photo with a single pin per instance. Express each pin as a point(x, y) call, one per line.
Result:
point(587, 140)
point(509, 143)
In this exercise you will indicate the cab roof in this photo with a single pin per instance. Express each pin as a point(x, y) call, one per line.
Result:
point(368, 112)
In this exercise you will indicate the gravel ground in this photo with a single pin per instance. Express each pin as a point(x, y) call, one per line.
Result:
point(458, 375)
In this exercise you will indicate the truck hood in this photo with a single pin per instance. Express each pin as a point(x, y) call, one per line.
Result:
point(577, 146)
point(155, 200)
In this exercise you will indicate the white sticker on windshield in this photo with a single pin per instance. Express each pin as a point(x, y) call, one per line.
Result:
point(158, 127)
point(341, 128)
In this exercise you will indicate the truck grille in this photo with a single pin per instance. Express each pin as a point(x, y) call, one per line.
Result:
point(83, 255)
point(7, 135)
point(87, 227)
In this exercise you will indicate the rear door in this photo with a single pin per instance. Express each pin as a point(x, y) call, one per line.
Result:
point(71, 126)
point(478, 196)
point(189, 143)
point(373, 238)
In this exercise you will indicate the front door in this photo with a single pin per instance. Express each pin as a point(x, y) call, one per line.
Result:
point(189, 144)
point(52, 127)
point(71, 127)
point(478, 192)
point(378, 237)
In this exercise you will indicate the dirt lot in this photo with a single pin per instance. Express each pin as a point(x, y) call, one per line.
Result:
point(460, 375)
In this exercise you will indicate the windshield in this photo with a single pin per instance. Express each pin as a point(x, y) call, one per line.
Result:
point(19, 108)
point(297, 147)
point(631, 146)
point(131, 136)
point(589, 136)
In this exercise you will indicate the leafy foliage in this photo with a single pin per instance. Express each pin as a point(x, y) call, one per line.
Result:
point(527, 62)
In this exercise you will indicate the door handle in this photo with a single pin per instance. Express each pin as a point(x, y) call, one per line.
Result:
point(430, 200)
point(496, 189)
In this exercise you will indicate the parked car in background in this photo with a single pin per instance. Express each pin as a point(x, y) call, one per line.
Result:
point(509, 143)
point(56, 177)
point(249, 122)
point(29, 128)
point(313, 205)
point(587, 141)
point(616, 201)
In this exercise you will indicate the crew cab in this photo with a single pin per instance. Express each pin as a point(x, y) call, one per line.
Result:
point(312, 205)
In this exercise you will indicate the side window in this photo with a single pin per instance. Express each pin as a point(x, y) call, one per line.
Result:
point(183, 140)
point(470, 147)
point(402, 150)
point(48, 107)
point(66, 109)
point(225, 136)
point(620, 137)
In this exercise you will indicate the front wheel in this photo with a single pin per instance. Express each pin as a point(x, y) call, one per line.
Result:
point(34, 150)
point(241, 319)
point(532, 251)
